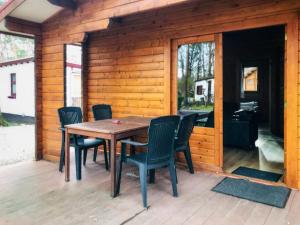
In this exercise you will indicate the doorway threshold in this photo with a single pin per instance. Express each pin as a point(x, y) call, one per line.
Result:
point(235, 176)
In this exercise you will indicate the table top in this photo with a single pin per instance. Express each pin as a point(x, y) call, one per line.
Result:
point(109, 126)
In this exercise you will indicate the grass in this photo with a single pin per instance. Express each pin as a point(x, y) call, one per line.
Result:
point(204, 108)
point(3, 122)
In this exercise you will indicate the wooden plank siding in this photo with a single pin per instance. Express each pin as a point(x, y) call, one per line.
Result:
point(298, 122)
point(129, 63)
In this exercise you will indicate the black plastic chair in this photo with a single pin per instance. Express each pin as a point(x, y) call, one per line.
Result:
point(185, 130)
point(159, 154)
point(103, 112)
point(210, 120)
point(72, 115)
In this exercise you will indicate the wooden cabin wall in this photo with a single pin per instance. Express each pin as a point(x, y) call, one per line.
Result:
point(38, 100)
point(299, 104)
point(129, 64)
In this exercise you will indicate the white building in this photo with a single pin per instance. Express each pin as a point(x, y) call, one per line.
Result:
point(17, 87)
point(73, 76)
point(204, 90)
point(73, 85)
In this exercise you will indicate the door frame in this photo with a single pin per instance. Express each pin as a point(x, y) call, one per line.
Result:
point(216, 131)
point(84, 67)
point(290, 20)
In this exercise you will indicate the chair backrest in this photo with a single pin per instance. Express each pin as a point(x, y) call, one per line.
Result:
point(161, 136)
point(185, 129)
point(210, 120)
point(69, 115)
point(102, 112)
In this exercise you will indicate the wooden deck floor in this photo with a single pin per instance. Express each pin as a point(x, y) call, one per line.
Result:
point(36, 193)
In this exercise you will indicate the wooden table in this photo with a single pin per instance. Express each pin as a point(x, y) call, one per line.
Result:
point(106, 129)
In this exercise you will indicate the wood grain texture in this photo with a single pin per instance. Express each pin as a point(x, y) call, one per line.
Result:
point(35, 193)
point(22, 26)
point(204, 142)
point(109, 126)
point(129, 64)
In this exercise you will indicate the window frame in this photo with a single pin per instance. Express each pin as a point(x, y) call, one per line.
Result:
point(199, 90)
point(257, 78)
point(13, 83)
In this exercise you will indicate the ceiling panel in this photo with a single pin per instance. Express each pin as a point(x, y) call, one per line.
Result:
point(35, 11)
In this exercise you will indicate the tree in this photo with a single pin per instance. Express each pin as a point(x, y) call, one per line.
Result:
point(15, 47)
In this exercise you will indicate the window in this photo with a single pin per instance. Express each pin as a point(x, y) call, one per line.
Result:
point(195, 79)
point(250, 76)
point(200, 90)
point(13, 88)
point(73, 75)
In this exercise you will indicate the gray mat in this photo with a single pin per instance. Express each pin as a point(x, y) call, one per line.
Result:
point(265, 194)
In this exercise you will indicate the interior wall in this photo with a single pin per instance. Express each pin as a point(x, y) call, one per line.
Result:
point(263, 48)
point(129, 64)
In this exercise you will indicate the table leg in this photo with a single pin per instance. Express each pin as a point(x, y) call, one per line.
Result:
point(113, 166)
point(67, 155)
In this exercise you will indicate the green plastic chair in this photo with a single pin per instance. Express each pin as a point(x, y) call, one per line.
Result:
point(186, 126)
point(73, 115)
point(159, 153)
point(103, 112)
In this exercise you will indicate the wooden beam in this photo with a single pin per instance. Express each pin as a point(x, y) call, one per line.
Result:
point(9, 7)
point(17, 34)
point(70, 4)
point(16, 62)
point(22, 26)
point(81, 36)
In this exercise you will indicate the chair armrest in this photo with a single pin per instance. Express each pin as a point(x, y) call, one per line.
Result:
point(134, 143)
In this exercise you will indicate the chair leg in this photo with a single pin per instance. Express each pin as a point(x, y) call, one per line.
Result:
point(152, 176)
point(188, 157)
point(173, 178)
point(143, 183)
point(85, 151)
point(62, 157)
point(95, 154)
point(176, 173)
point(122, 159)
point(78, 163)
point(105, 156)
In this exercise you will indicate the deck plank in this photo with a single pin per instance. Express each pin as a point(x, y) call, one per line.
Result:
point(36, 193)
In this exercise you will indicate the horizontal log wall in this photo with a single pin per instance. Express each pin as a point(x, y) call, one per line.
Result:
point(129, 64)
point(299, 106)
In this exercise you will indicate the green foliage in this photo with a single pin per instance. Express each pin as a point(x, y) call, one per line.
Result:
point(195, 63)
point(3, 122)
point(14, 47)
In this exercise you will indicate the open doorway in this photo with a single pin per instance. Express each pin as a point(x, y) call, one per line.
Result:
point(17, 99)
point(73, 75)
point(253, 102)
